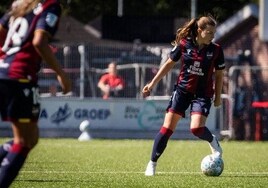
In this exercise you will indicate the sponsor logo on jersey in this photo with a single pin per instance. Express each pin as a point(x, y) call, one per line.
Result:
point(209, 55)
point(197, 64)
point(195, 69)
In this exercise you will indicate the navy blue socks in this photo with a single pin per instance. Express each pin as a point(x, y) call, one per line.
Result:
point(160, 143)
point(202, 133)
point(12, 163)
point(4, 149)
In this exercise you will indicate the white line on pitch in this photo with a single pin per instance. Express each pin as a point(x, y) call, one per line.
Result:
point(133, 172)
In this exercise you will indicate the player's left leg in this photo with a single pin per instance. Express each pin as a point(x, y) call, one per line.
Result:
point(215, 146)
point(200, 108)
point(199, 129)
point(161, 140)
point(25, 138)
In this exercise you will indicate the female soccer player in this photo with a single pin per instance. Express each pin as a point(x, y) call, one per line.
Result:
point(202, 64)
point(25, 31)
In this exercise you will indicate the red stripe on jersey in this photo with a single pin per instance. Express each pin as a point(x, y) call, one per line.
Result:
point(210, 82)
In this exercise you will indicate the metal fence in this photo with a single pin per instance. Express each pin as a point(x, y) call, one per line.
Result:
point(137, 65)
point(85, 65)
point(244, 86)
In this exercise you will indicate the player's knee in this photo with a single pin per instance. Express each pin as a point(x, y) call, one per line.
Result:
point(198, 131)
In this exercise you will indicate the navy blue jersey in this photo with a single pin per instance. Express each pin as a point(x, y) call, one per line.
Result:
point(197, 66)
point(18, 58)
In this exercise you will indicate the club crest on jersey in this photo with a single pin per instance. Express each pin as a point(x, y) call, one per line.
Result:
point(209, 55)
point(196, 64)
point(51, 19)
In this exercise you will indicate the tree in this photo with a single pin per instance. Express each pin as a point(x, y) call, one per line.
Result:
point(222, 9)
point(85, 11)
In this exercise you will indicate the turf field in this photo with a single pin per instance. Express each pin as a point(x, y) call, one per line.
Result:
point(67, 163)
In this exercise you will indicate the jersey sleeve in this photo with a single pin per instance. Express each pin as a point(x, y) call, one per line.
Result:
point(220, 64)
point(175, 53)
point(49, 19)
point(4, 21)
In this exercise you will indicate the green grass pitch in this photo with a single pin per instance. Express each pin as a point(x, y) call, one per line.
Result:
point(68, 163)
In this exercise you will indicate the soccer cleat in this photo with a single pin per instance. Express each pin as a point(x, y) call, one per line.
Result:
point(150, 170)
point(215, 147)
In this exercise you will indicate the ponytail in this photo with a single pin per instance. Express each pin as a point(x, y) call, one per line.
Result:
point(21, 7)
point(190, 28)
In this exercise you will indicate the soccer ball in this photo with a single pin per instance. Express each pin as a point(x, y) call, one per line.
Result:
point(212, 165)
point(84, 126)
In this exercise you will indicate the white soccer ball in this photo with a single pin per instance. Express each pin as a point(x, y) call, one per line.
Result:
point(212, 165)
point(84, 125)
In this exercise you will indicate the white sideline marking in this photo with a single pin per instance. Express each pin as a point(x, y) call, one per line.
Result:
point(133, 172)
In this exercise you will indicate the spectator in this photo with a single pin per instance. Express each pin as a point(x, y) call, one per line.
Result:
point(111, 84)
point(242, 113)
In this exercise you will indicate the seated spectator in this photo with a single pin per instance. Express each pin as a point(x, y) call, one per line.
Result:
point(111, 83)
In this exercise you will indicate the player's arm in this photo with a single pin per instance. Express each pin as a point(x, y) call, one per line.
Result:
point(105, 88)
point(119, 87)
point(101, 85)
point(121, 84)
point(218, 87)
point(41, 44)
point(168, 65)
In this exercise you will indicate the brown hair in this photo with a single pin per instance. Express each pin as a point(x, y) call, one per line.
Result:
point(190, 28)
point(21, 7)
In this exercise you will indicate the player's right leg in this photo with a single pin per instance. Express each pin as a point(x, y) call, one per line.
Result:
point(215, 146)
point(161, 141)
point(25, 138)
point(25, 130)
